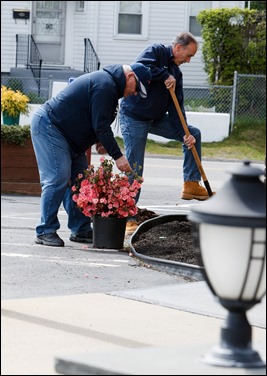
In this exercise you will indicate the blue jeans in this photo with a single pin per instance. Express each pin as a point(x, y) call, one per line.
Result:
point(135, 133)
point(58, 168)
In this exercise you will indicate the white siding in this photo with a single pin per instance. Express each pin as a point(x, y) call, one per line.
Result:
point(161, 29)
point(9, 28)
point(80, 31)
point(232, 4)
point(84, 25)
point(166, 20)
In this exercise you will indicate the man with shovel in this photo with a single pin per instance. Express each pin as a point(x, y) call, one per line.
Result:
point(157, 114)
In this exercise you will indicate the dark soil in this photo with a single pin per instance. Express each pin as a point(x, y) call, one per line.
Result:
point(145, 214)
point(170, 241)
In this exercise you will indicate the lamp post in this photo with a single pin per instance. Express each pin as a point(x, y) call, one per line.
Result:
point(230, 232)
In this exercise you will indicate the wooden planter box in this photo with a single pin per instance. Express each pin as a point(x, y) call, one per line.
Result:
point(19, 172)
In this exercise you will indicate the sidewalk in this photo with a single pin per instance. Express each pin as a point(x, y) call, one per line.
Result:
point(159, 331)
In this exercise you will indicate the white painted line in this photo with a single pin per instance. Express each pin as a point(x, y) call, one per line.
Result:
point(58, 259)
point(177, 206)
point(174, 209)
point(16, 217)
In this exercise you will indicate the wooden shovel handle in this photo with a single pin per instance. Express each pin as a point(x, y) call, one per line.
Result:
point(194, 151)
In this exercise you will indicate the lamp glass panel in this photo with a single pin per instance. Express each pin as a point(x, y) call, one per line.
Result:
point(259, 250)
point(225, 253)
point(256, 287)
point(260, 235)
point(252, 290)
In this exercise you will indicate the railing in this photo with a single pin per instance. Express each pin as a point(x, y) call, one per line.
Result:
point(28, 54)
point(35, 62)
point(91, 60)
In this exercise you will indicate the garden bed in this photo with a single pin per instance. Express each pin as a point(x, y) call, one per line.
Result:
point(166, 243)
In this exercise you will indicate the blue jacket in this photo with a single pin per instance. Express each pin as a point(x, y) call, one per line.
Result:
point(159, 101)
point(85, 109)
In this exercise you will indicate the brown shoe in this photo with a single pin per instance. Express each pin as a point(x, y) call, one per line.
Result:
point(192, 190)
point(131, 226)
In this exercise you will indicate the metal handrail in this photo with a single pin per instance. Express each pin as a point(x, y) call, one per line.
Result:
point(35, 62)
point(28, 54)
point(91, 60)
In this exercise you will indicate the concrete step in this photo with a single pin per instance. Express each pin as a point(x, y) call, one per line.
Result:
point(48, 72)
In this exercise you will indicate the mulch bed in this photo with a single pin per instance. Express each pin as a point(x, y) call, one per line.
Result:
point(170, 241)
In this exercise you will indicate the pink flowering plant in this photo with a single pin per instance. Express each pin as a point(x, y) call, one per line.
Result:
point(99, 191)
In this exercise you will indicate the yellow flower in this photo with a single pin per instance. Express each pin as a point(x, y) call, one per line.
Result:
point(14, 102)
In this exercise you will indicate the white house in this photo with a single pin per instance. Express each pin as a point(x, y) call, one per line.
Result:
point(118, 30)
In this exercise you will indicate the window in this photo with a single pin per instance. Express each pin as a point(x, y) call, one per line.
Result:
point(130, 17)
point(131, 20)
point(195, 7)
point(79, 6)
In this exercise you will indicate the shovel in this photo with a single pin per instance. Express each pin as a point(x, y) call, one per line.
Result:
point(194, 151)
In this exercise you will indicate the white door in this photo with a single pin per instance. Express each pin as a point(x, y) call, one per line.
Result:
point(49, 30)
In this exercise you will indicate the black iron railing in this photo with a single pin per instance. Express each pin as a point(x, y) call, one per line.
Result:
point(28, 54)
point(91, 60)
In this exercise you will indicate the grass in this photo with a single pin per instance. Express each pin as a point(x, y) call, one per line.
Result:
point(247, 141)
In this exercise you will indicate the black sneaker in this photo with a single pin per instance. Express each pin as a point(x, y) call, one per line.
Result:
point(82, 238)
point(49, 239)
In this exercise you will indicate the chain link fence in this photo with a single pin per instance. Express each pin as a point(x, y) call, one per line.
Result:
point(208, 99)
point(249, 98)
point(244, 101)
point(29, 86)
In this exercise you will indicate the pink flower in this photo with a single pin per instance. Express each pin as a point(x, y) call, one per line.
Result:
point(101, 192)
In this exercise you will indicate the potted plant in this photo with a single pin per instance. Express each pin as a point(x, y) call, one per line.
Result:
point(13, 103)
point(19, 172)
point(109, 198)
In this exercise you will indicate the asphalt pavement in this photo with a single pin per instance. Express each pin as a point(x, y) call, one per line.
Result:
point(78, 310)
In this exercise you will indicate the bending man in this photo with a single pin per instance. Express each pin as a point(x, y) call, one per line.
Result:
point(64, 128)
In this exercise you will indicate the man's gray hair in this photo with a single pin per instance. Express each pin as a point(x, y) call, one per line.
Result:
point(184, 39)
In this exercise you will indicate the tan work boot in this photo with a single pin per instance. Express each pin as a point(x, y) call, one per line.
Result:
point(192, 190)
point(131, 226)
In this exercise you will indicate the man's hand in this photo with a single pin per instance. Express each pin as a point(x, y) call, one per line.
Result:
point(123, 164)
point(100, 148)
point(189, 141)
point(170, 82)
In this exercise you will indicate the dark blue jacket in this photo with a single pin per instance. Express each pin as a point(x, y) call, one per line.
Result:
point(159, 101)
point(85, 109)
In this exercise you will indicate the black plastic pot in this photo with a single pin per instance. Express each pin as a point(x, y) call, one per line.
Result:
point(174, 267)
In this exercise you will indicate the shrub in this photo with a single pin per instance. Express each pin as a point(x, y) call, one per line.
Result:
point(15, 134)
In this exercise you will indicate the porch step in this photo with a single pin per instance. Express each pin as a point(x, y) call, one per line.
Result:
point(53, 73)
point(54, 67)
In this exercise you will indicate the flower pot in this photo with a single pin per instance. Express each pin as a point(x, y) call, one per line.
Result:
point(10, 120)
point(108, 232)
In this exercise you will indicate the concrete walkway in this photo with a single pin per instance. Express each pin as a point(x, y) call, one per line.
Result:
point(158, 331)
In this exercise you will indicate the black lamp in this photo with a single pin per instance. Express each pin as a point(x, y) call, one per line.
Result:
point(230, 232)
